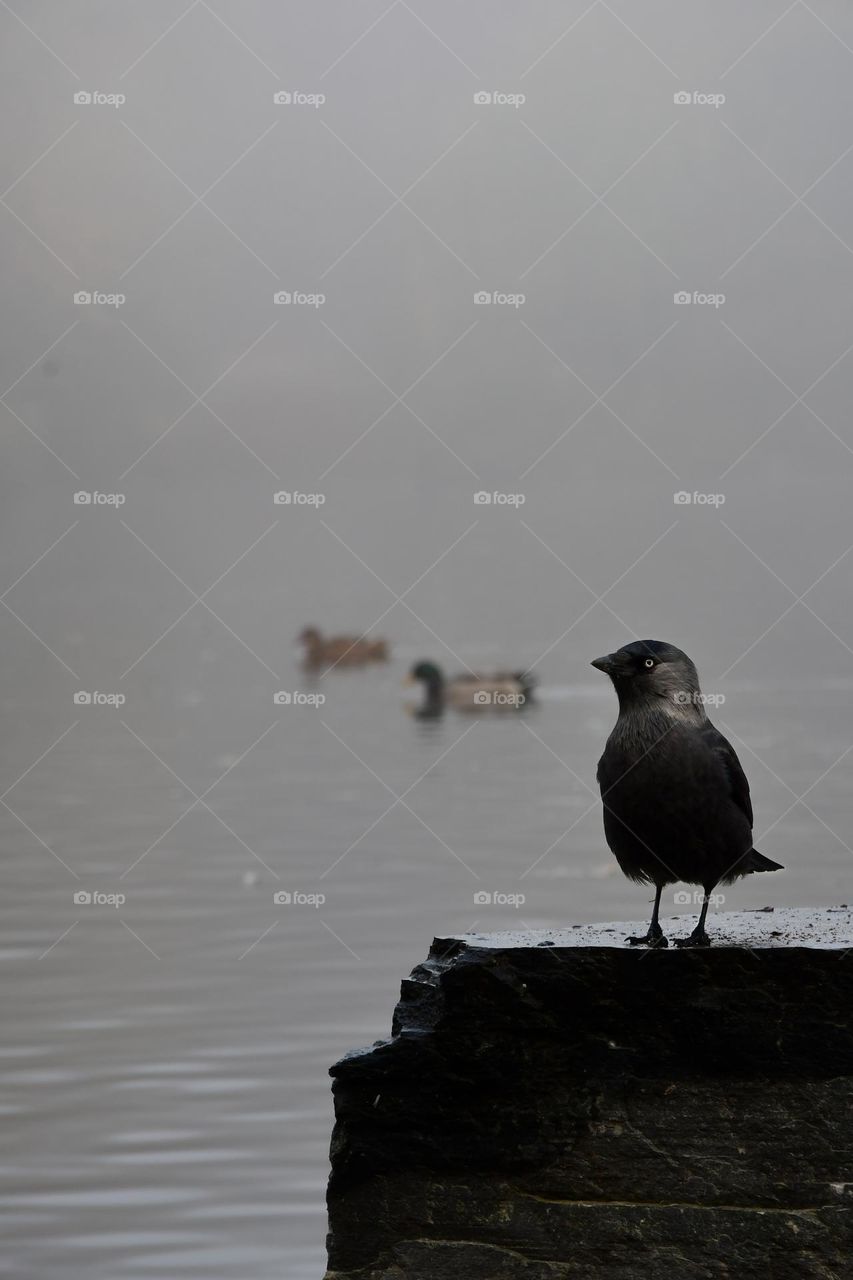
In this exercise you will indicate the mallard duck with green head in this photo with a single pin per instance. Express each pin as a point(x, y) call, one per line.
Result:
point(503, 691)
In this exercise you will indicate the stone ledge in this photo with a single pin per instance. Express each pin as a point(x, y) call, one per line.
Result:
point(826, 927)
point(558, 1104)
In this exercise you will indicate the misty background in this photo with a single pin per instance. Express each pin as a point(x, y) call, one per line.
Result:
point(165, 1083)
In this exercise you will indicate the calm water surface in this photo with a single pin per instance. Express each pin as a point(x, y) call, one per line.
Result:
point(165, 1097)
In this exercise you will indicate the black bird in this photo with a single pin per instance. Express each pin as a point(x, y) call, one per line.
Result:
point(676, 800)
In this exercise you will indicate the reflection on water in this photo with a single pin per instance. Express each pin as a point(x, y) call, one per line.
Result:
point(165, 1095)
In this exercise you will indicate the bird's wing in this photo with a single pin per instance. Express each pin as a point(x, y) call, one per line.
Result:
point(726, 754)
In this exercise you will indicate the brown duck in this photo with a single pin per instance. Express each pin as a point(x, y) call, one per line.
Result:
point(340, 651)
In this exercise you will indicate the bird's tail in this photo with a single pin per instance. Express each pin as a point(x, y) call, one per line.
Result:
point(528, 683)
point(756, 861)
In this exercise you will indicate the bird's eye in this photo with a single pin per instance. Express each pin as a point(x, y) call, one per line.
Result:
point(650, 662)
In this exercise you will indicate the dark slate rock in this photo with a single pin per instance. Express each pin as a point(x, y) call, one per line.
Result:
point(586, 1109)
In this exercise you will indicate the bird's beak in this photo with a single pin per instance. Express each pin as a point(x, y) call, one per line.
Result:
point(409, 681)
point(607, 664)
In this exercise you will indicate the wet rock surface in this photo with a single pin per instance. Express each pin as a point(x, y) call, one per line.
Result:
point(556, 1105)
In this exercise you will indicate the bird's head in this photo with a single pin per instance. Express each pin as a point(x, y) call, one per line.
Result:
point(653, 672)
point(426, 673)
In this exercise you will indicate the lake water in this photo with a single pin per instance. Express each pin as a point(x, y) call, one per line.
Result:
point(657, 469)
point(165, 1100)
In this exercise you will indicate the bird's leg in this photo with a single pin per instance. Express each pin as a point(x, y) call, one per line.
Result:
point(698, 938)
point(654, 937)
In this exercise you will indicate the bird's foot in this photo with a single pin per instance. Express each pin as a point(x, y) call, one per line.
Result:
point(698, 938)
point(654, 938)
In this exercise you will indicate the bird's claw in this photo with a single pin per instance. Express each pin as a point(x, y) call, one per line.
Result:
point(694, 940)
point(648, 940)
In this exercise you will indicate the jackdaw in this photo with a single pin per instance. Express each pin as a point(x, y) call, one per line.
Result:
point(676, 800)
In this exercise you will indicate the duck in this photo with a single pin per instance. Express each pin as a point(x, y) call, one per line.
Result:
point(340, 651)
point(503, 691)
